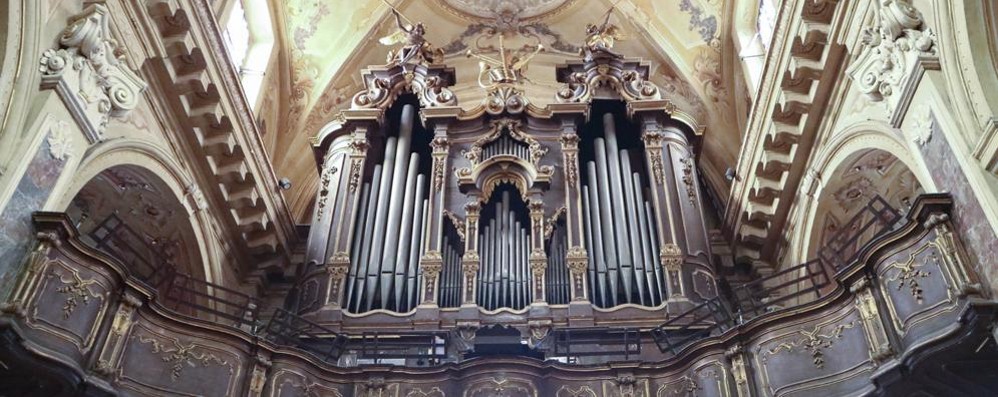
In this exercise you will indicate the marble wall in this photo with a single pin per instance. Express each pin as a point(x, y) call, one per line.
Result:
point(969, 217)
point(16, 228)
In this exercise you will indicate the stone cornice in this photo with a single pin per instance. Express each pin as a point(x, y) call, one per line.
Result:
point(191, 68)
point(787, 112)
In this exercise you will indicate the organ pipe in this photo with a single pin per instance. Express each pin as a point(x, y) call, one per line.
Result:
point(622, 245)
point(503, 278)
point(390, 227)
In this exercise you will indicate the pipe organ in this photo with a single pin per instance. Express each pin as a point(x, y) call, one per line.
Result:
point(587, 211)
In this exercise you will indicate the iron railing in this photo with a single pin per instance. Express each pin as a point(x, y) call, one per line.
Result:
point(400, 345)
point(873, 220)
point(144, 260)
point(783, 289)
point(573, 343)
point(200, 299)
point(288, 329)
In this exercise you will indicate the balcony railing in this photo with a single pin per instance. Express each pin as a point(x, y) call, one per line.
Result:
point(787, 288)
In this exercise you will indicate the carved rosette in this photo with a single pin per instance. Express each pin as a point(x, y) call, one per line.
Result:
point(90, 74)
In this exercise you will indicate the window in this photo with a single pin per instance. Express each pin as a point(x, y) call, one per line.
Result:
point(249, 38)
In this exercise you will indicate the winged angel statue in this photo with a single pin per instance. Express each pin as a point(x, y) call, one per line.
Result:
point(414, 47)
point(600, 38)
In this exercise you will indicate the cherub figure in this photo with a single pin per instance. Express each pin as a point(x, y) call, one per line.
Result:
point(508, 68)
point(415, 48)
point(600, 38)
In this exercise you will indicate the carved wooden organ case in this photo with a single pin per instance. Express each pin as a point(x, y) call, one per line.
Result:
point(588, 209)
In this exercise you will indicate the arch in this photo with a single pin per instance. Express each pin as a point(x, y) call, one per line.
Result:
point(157, 163)
point(843, 150)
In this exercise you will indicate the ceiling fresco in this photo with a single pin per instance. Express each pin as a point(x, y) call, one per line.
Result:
point(326, 43)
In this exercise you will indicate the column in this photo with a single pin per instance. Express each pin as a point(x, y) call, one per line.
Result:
point(577, 257)
point(538, 260)
point(333, 167)
point(471, 260)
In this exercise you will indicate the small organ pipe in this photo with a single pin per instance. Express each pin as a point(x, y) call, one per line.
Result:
point(602, 203)
point(373, 208)
point(654, 244)
point(358, 241)
point(514, 279)
point(395, 250)
point(648, 254)
point(415, 237)
point(634, 236)
point(623, 247)
point(590, 245)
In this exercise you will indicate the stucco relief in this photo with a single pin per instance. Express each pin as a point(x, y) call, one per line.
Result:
point(89, 72)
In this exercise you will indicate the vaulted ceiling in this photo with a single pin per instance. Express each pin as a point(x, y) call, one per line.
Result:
point(324, 44)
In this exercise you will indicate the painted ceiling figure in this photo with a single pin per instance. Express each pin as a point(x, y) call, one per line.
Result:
point(600, 38)
point(415, 48)
point(508, 68)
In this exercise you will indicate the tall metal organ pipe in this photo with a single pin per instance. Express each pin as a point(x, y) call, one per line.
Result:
point(623, 248)
point(390, 227)
point(503, 277)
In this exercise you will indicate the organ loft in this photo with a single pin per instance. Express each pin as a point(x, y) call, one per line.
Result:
point(498, 198)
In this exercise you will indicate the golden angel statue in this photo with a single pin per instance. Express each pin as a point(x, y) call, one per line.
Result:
point(415, 48)
point(600, 38)
point(508, 68)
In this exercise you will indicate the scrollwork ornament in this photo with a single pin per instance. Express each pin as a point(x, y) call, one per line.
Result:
point(77, 292)
point(814, 341)
point(89, 70)
point(891, 48)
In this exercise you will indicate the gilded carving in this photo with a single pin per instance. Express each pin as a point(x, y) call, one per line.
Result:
point(684, 386)
point(327, 176)
point(814, 341)
point(908, 273)
point(457, 222)
point(77, 291)
point(672, 256)
point(688, 180)
point(582, 391)
point(418, 392)
point(180, 356)
point(501, 386)
point(550, 223)
point(356, 166)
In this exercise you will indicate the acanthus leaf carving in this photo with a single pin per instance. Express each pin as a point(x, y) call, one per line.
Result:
point(894, 51)
point(89, 72)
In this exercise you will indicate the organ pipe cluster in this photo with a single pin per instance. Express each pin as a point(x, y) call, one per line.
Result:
point(619, 227)
point(504, 245)
point(389, 229)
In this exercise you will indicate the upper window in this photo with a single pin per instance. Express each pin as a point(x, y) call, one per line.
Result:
point(766, 22)
point(249, 37)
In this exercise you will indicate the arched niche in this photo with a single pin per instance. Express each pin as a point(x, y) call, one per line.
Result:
point(860, 178)
point(132, 214)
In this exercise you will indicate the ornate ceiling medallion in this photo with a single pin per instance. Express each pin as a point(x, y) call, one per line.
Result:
point(501, 10)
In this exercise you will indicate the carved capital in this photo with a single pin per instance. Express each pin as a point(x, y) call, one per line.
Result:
point(89, 72)
point(672, 257)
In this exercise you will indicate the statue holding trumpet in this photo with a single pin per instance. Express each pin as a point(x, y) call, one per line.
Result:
point(414, 47)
